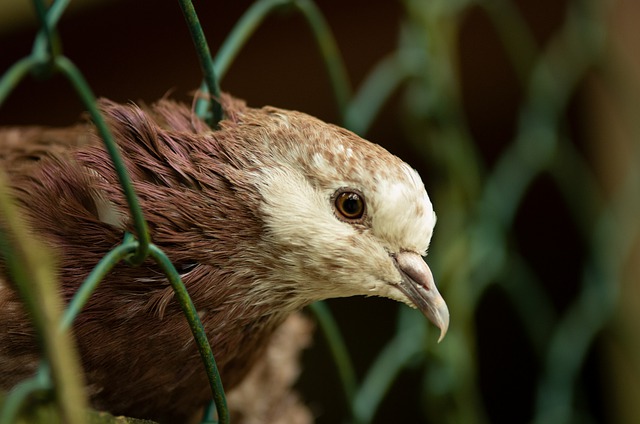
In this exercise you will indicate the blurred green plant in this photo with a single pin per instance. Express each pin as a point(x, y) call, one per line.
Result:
point(472, 250)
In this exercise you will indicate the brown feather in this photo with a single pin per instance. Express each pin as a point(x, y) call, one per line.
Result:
point(49, 173)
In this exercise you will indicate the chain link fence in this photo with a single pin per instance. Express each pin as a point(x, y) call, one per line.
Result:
point(525, 330)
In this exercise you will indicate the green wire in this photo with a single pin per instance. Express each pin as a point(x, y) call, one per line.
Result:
point(320, 30)
point(337, 347)
point(82, 295)
point(12, 77)
point(47, 45)
point(197, 329)
point(242, 30)
point(206, 64)
point(329, 51)
point(128, 247)
point(19, 395)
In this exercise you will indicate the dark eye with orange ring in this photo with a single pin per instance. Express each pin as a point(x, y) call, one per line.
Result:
point(350, 205)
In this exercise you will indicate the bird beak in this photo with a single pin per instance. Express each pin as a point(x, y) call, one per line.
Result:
point(418, 285)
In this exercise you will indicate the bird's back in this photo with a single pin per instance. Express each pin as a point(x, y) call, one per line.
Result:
point(138, 352)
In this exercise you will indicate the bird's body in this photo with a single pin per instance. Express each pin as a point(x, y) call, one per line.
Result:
point(250, 214)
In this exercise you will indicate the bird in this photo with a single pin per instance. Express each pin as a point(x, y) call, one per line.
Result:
point(262, 216)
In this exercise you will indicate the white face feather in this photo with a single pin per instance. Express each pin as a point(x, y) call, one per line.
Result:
point(321, 255)
point(402, 213)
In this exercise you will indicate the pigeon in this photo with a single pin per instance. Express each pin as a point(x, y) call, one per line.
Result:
point(262, 216)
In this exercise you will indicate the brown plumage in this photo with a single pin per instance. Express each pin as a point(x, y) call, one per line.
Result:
point(250, 216)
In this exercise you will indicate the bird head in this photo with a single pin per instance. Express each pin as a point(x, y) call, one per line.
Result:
point(342, 216)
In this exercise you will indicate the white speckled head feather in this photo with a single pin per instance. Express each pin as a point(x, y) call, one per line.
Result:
point(321, 254)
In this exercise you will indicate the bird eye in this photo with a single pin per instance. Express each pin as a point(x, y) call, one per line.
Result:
point(350, 205)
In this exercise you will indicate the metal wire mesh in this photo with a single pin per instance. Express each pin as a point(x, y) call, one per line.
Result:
point(46, 58)
point(473, 252)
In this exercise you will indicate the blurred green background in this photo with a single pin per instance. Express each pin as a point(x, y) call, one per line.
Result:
point(522, 118)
